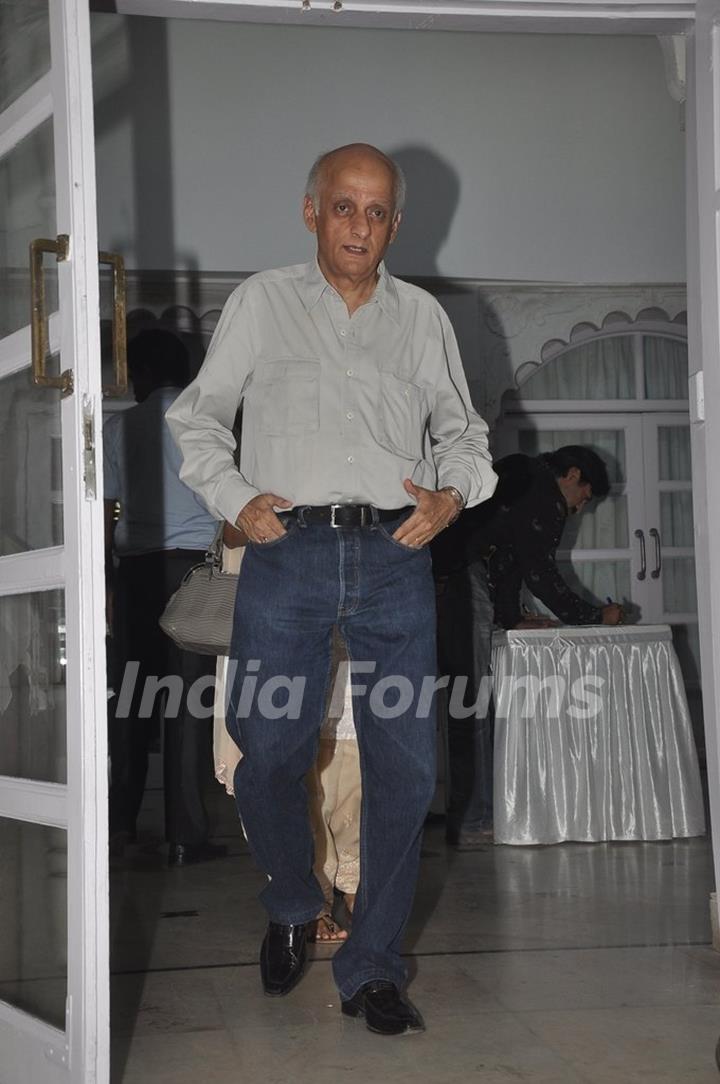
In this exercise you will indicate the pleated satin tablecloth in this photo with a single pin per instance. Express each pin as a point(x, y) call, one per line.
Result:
point(593, 739)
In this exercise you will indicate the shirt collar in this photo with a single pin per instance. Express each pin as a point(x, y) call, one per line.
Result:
point(314, 285)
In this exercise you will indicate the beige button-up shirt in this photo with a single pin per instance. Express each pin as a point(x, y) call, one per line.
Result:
point(336, 409)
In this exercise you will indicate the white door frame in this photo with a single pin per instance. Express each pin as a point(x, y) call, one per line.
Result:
point(33, 1050)
point(703, 285)
point(699, 21)
point(484, 16)
point(88, 881)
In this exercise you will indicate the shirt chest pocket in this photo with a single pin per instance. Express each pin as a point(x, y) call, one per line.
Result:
point(287, 397)
point(403, 408)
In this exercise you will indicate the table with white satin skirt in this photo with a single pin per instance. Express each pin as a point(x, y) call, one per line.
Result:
point(593, 739)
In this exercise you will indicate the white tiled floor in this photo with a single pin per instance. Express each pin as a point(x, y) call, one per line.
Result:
point(572, 963)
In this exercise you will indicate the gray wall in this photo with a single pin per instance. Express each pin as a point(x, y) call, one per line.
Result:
point(538, 157)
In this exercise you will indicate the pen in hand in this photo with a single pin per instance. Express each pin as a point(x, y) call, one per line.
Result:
point(621, 615)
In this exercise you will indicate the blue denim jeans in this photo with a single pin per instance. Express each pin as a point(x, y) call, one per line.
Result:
point(465, 625)
point(379, 593)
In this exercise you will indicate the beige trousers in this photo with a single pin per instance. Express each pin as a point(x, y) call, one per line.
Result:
point(334, 793)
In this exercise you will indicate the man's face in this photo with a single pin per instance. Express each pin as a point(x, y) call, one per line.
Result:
point(354, 222)
point(577, 492)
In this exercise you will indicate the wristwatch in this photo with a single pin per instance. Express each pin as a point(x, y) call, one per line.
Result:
point(457, 497)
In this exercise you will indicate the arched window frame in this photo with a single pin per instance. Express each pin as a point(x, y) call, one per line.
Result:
point(554, 349)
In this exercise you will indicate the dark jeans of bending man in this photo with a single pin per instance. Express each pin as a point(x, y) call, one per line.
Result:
point(465, 625)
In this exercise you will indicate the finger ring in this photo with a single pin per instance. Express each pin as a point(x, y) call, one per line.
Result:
point(264, 538)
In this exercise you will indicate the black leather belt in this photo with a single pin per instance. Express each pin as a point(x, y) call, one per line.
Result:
point(345, 515)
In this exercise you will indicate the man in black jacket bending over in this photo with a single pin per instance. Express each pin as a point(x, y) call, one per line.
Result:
point(480, 564)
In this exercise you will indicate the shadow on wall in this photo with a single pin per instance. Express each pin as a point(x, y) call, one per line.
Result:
point(433, 195)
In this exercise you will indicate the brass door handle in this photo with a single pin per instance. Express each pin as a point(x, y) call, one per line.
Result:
point(60, 248)
point(119, 325)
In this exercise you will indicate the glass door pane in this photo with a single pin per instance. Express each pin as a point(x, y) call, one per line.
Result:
point(32, 689)
point(665, 367)
point(31, 499)
point(33, 736)
point(670, 521)
point(33, 917)
point(27, 196)
point(24, 47)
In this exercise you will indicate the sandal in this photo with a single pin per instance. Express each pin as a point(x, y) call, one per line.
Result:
point(325, 930)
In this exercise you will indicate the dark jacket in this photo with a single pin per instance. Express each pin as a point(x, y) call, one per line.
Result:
point(518, 531)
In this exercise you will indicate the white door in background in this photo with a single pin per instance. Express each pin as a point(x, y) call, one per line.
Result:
point(670, 536)
point(53, 760)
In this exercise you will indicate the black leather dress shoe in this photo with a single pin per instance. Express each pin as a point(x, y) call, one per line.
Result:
point(182, 854)
point(282, 957)
point(385, 1009)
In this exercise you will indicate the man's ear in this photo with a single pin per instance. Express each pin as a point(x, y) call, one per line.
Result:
point(573, 474)
point(309, 214)
point(395, 227)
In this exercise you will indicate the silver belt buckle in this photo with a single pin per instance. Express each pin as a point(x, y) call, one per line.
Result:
point(332, 514)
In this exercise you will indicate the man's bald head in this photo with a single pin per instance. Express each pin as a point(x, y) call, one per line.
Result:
point(351, 153)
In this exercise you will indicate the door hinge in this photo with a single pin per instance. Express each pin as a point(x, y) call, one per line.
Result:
point(697, 396)
point(89, 472)
point(59, 1053)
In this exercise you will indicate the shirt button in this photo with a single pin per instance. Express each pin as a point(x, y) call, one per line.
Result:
point(343, 333)
point(349, 415)
point(351, 459)
point(350, 372)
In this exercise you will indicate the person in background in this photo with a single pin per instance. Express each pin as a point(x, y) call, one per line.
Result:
point(480, 566)
point(163, 530)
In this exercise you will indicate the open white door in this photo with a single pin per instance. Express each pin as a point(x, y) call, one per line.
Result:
point(53, 762)
point(704, 359)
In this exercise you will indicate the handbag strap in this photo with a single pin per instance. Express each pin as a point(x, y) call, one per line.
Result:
point(214, 554)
